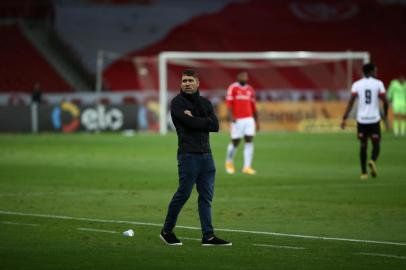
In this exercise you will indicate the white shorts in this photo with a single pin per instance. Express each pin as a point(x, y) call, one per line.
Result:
point(243, 127)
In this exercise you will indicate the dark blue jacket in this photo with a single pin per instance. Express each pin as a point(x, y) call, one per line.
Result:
point(193, 132)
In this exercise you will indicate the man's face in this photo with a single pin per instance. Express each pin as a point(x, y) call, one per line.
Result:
point(242, 77)
point(189, 84)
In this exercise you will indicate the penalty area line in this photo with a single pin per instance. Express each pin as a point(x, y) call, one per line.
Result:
point(382, 255)
point(198, 228)
point(95, 230)
point(190, 238)
point(19, 224)
point(276, 246)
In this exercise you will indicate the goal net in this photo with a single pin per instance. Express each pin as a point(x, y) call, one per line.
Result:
point(290, 86)
point(277, 76)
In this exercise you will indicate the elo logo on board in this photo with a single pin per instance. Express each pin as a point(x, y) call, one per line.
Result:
point(69, 125)
point(67, 118)
point(100, 119)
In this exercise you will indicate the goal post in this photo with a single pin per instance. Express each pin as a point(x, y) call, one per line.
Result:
point(166, 57)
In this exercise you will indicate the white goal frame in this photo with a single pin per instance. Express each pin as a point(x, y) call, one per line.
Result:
point(165, 57)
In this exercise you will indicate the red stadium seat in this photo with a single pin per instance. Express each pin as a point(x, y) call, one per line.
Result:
point(280, 26)
point(105, 101)
point(129, 100)
point(22, 65)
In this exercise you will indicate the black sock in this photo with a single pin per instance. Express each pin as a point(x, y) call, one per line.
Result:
point(376, 146)
point(363, 156)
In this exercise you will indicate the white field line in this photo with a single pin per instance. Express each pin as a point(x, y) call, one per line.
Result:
point(198, 228)
point(190, 238)
point(17, 223)
point(64, 193)
point(276, 246)
point(382, 255)
point(24, 194)
point(315, 237)
point(96, 230)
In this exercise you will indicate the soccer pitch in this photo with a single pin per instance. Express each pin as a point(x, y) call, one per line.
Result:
point(66, 199)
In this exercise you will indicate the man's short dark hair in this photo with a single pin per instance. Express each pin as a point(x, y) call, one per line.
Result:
point(190, 72)
point(368, 68)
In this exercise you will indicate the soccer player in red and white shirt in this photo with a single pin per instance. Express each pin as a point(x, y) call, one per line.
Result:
point(242, 112)
point(368, 90)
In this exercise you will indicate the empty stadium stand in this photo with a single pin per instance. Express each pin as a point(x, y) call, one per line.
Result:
point(28, 9)
point(144, 28)
point(284, 26)
point(22, 65)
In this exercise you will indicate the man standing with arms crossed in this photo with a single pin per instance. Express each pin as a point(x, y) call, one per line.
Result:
point(368, 90)
point(193, 117)
point(243, 116)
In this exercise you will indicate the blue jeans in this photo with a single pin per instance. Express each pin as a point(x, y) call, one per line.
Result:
point(199, 169)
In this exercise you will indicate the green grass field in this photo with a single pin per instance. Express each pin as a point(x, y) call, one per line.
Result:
point(54, 188)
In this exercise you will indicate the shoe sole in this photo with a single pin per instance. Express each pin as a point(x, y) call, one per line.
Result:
point(230, 170)
point(169, 244)
point(220, 245)
point(372, 166)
